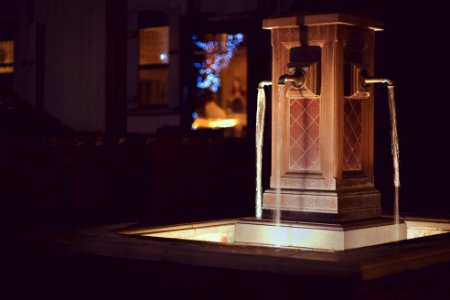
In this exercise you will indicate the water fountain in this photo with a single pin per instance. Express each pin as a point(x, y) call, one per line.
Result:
point(322, 170)
point(322, 194)
point(321, 197)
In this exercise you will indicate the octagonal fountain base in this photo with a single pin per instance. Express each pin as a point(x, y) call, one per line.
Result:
point(320, 235)
point(314, 236)
point(204, 258)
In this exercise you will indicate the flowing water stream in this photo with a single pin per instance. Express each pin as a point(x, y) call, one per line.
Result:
point(260, 114)
point(395, 153)
point(259, 141)
point(278, 162)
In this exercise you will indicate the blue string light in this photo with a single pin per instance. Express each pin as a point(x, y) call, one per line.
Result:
point(208, 70)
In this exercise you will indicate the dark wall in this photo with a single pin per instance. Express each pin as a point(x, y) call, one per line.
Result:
point(89, 179)
point(411, 51)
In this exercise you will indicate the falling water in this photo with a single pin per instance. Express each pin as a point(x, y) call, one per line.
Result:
point(260, 113)
point(395, 153)
point(278, 141)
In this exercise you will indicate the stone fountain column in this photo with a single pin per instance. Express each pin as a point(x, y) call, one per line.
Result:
point(327, 125)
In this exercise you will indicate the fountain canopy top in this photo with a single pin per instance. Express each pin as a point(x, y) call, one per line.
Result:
point(323, 19)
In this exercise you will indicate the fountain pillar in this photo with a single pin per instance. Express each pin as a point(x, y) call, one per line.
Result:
point(327, 124)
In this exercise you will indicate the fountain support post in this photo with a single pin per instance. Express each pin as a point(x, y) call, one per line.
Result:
point(327, 133)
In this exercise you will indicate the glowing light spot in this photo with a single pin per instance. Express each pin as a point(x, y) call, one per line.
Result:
point(213, 123)
point(163, 57)
point(222, 123)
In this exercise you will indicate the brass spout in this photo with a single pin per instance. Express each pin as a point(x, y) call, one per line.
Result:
point(366, 80)
point(378, 80)
point(264, 83)
point(297, 79)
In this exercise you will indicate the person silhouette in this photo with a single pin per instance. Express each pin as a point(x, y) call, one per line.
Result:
point(237, 101)
point(212, 109)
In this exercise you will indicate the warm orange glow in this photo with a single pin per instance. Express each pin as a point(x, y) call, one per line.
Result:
point(6, 56)
point(214, 123)
point(217, 237)
point(153, 66)
point(4, 70)
point(154, 45)
point(215, 231)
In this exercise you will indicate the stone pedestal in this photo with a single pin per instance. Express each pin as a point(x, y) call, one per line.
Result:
point(327, 125)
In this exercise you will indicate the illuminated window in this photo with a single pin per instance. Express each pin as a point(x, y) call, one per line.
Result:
point(154, 45)
point(220, 70)
point(6, 57)
point(153, 71)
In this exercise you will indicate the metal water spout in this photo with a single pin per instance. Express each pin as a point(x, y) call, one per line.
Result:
point(297, 79)
point(366, 80)
point(264, 83)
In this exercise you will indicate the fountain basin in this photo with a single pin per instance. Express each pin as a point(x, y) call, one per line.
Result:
point(317, 236)
point(204, 259)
